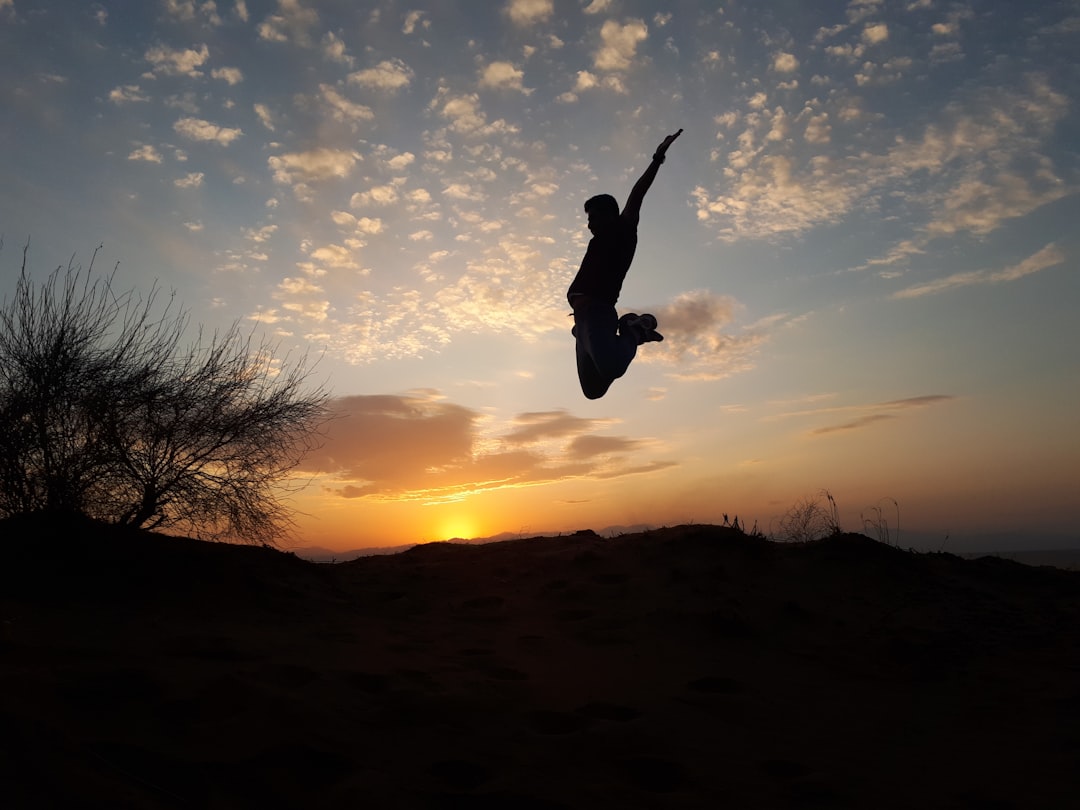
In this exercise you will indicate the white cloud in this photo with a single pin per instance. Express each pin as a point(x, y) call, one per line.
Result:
point(199, 130)
point(313, 165)
point(379, 195)
point(343, 109)
point(527, 12)
point(335, 256)
point(171, 62)
point(619, 44)
point(544, 188)
point(292, 23)
point(828, 33)
point(851, 53)
point(389, 75)
point(585, 80)
point(1049, 256)
point(774, 196)
point(597, 7)
point(369, 225)
point(147, 153)
point(190, 180)
point(818, 129)
point(263, 113)
point(180, 9)
point(334, 49)
point(979, 207)
point(859, 10)
point(127, 94)
point(984, 158)
point(503, 74)
point(590, 81)
point(463, 191)
point(700, 344)
point(299, 297)
point(875, 34)
point(260, 235)
point(781, 126)
point(464, 113)
point(189, 10)
point(412, 19)
point(785, 63)
point(230, 75)
point(399, 162)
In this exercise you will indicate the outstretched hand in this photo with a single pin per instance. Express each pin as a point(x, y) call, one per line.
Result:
point(662, 148)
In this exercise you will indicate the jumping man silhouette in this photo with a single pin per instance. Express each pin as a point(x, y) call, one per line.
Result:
point(606, 343)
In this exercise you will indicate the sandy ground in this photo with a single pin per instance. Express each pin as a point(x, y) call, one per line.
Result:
point(688, 667)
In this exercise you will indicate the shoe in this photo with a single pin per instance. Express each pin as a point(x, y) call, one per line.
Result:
point(648, 321)
point(643, 326)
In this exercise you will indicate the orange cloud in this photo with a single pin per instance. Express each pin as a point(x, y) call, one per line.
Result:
point(418, 447)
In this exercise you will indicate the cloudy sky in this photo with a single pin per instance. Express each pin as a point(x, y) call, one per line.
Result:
point(862, 251)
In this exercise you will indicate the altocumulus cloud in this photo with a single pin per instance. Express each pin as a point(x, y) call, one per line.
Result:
point(315, 164)
point(199, 130)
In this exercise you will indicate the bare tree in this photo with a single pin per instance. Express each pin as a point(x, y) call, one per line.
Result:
point(104, 411)
point(810, 519)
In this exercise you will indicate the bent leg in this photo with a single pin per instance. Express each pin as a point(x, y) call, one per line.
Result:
point(593, 385)
point(603, 355)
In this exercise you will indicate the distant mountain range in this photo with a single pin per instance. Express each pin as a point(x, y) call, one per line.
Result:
point(1058, 551)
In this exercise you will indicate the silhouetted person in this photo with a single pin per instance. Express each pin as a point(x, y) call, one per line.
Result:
point(607, 343)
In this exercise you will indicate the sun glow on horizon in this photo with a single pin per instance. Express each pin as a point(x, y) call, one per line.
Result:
point(458, 527)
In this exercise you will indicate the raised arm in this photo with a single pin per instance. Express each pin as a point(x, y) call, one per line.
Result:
point(632, 210)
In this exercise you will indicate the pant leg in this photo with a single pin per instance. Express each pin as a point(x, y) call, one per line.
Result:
point(603, 355)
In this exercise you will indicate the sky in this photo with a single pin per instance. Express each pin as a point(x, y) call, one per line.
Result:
point(862, 251)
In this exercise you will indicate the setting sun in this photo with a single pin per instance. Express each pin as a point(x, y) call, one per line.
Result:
point(457, 527)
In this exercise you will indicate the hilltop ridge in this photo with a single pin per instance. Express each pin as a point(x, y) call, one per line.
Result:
point(689, 666)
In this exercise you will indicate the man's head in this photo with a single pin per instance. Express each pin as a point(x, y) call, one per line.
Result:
point(602, 209)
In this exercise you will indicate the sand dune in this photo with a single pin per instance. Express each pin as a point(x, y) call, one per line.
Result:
point(680, 668)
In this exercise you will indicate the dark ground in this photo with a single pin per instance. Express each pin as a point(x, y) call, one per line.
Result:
point(687, 667)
